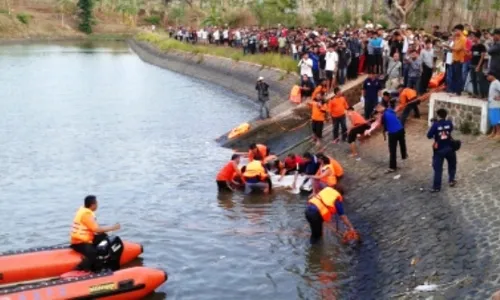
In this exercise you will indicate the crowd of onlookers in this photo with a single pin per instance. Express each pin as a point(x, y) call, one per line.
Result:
point(404, 55)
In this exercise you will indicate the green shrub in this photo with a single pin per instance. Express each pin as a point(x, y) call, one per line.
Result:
point(153, 20)
point(466, 127)
point(24, 17)
point(4, 11)
point(367, 17)
point(268, 60)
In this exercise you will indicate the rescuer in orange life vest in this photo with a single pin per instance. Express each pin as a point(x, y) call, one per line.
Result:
point(83, 231)
point(258, 152)
point(225, 177)
point(321, 208)
point(256, 177)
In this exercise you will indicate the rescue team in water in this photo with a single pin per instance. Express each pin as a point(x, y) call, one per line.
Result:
point(325, 173)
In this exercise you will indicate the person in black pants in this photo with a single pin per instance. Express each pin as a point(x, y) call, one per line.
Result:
point(84, 232)
point(392, 125)
point(372, 92)
point(440, 131)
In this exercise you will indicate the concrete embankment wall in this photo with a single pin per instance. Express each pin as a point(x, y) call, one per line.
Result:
point(239, 77)
point(289, 124)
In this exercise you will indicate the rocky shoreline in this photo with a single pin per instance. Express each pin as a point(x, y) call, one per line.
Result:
point(411, 237)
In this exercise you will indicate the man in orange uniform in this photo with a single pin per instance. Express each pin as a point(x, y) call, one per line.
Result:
point(358, 127)
point(320, 89)
point(258, 152)
point(337, 107)
point(407, 103)
point(83, 231)
point(325, 177)
point(318, 112)
point(321, 208)
point(337, 167)
point(226, 175)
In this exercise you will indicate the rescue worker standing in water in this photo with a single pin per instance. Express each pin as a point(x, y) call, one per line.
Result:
point(225, 176)
point(83, 231)
point(257, 151)
point(256, 177)
point(321, 208)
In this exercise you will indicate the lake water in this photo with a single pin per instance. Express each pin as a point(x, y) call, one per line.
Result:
point(80, 119)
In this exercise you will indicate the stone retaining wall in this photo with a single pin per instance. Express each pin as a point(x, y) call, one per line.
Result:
point(239, 77)
point(468, 113)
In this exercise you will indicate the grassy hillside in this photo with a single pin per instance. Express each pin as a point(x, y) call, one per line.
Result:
point(45, 23)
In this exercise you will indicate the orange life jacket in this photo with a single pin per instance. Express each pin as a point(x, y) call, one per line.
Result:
point(329, 180)
point(325, 202)
point(337, 167)
point(262, 149)
point(295, 95)
point(227, 172)
point(79, 232)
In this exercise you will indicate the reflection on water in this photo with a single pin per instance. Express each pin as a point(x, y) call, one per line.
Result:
point(93, 118)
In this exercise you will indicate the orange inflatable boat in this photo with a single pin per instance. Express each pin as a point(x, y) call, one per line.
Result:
point(127, 284)
point(38, 263)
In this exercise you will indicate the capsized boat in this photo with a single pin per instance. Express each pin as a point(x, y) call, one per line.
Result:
point(47, 262)
point(303, 185)
point(127, 284)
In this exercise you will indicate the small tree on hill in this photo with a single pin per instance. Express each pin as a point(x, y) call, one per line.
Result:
point(85, 9)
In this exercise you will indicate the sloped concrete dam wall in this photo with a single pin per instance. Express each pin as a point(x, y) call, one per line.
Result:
point(239, 77)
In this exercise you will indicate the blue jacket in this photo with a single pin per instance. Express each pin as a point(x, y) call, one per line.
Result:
point(440, 131)
point(391, 122)
point(315, 60)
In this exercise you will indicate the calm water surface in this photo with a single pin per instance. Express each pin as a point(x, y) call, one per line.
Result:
point(82, 119)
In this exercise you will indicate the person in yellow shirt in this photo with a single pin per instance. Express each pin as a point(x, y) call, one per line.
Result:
point(458, 53)
point(83, 231)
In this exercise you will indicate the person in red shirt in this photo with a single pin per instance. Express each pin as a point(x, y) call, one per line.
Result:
point(292, 163)
point(225, 177)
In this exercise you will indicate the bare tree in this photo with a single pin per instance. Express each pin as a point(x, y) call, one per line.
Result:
point(398, 10)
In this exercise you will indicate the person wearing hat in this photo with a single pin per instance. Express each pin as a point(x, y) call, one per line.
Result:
point(263, 96)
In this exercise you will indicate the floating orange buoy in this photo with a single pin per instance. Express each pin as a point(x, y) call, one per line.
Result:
point(350, 236)
point(237, 131)
point(44, 262)
point(127, 284)
point(295, 95)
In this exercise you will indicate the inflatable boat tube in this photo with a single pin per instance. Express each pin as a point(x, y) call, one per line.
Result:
point(46, 262)
point(128, 284)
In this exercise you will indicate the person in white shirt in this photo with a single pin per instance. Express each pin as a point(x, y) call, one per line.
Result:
point(306, 65)
point(332, 60)
point(386, 54)
point(494, 106)
point(295, 52)
point(216, 36)
point(225, 36)
point(448, 62)
point(237, 37)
